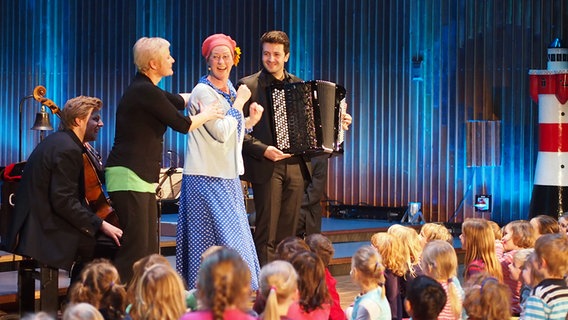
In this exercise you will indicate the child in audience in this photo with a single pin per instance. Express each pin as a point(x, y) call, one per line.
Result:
point(425, 298)
point(100, 286)
point(410, 239)
point(516, 235)
point(478, 242)
point(82, 311)
point(39, 316)
point(563, 222)
point(314, 302)
point(138, 269)
point(543, 224)
point(516, 269)
point(191, 297)
point(223, 287)
point(322, 246)
point(289, 246)
point(395, 259)
point(279, 288)
point(284, 251)
point(434, 231)
point(498, 233)
point(530, 275)
point(549, 299)
point(439, 261)
point(487, 298)
point(367, 271)
point(160, 295)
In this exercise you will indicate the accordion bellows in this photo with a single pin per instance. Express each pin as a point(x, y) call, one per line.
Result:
point(307, 117)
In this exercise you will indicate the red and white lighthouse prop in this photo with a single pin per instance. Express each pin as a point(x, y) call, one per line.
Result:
point(550, 89)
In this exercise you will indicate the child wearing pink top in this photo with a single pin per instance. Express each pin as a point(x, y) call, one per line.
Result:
point(517, 235)
point(322, 246)
point(440, 262)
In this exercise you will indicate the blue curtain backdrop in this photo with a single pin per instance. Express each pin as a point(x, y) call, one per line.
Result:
point(438, 88)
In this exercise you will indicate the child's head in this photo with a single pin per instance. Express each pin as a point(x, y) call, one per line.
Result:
point(478, 241)
point(138, 270)
point(518, 234)
point(425, 298)
point(311, 280)
point(487, 299)
point(543, 224)
point(530, 275)
point(393, 253)
point(563, 222)
point(82, 311)
point(552, 255)
point(322, 246)
point(410, 239)
point(439, 261)
point(278, 285)
point(289, 246)
point(43, 316)
point(367, 268)
point(209, 251)
point(160, 294)
point(100, 286)
point(434, 231)
point(224, 280)
point(497, 231)
point(518, 264)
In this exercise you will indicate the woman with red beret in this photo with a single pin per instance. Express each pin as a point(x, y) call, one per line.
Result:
point(212, 208)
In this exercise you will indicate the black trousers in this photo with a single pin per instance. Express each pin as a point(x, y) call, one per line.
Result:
point(138, 217)
point(277, 203)
point(311, 210)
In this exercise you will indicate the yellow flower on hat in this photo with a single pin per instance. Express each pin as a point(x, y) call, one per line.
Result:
point(237, 56)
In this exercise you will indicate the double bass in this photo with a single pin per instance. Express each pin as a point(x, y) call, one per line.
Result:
point(94, 194)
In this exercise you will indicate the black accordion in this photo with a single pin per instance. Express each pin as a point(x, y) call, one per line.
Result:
point(307, 117)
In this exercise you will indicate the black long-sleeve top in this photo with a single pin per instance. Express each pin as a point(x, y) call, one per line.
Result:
point(142, 117)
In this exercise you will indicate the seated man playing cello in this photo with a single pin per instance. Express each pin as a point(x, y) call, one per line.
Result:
point(53, 223)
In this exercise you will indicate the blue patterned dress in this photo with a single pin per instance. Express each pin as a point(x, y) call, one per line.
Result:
point(212, 210)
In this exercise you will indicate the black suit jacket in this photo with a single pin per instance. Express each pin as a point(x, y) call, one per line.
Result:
point(258, 169)
point(51, 216)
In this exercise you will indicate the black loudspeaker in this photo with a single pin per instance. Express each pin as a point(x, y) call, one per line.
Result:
point(168, 189)
point(364, 211)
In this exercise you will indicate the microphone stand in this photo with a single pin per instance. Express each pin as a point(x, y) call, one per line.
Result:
point(167, 176)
